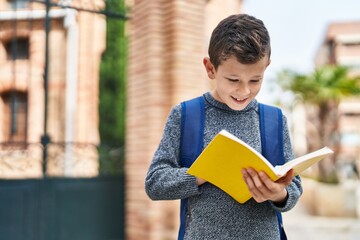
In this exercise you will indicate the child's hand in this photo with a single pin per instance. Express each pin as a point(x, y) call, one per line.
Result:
point(262, 188)
point(200, 181)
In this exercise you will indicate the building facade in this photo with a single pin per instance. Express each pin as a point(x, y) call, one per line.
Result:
point(68, 110)
point(341, 46)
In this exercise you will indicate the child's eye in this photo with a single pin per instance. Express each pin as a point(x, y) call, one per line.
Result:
point(255, 80)
point(233, 80)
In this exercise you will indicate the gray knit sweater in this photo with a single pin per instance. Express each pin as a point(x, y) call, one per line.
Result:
point(211, 213)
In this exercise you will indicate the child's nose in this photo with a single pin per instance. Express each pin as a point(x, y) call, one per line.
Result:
point(243, 89)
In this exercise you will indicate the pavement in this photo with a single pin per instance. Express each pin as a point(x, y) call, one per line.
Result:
point(299, 225)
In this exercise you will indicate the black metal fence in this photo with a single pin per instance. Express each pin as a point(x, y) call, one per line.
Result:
point(62, 209)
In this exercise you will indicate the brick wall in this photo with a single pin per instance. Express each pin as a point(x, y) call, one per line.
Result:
point(168, 40)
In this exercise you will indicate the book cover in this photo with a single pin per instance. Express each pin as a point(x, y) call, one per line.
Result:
point(226, 155)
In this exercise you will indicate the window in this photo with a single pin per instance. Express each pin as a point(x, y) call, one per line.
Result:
point(17, 48)
point(15, 115)
point(331, 45)
point(16, 4)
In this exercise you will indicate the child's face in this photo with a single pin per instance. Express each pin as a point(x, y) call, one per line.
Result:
point(236, 84)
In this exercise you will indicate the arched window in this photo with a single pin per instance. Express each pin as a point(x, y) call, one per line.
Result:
point(15, 116)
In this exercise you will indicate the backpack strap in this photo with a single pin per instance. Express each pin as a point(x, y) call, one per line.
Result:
point(191, 142)
point(272, 144)
point(192, 130)
point(271, 131)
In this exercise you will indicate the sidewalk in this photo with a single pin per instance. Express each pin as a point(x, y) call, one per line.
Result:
point(299, 226)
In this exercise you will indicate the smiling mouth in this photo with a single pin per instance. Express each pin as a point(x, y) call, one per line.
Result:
point(240, 100)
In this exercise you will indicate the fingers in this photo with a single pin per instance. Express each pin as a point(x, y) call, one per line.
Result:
point(200, 181)
point(262, 188)
point(256, 185)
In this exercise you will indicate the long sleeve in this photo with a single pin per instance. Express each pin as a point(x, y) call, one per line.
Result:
point(166, 179)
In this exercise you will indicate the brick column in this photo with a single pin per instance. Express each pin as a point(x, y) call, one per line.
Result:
point(167, 45)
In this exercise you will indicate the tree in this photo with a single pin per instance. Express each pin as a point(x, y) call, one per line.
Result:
point(112, 90)
point(324, 89)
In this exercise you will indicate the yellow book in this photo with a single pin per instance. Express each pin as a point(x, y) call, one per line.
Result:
point(223, 159)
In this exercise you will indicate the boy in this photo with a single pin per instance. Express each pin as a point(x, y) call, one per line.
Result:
point(239, 53)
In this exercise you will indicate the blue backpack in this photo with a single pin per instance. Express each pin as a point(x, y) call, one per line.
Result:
point(192, 136)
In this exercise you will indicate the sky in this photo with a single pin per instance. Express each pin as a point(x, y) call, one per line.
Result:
point(297, 28)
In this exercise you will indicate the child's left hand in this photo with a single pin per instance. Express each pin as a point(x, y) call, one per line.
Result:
point(262, 188)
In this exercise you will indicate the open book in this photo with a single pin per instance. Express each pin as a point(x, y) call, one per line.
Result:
point(223, 159)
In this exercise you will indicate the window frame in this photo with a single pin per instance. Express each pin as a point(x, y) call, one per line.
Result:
point(15, 116)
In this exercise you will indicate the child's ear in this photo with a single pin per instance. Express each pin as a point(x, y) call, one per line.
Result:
point(209, 67)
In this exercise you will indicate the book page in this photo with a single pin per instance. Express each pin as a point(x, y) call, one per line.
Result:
point(302, 163)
